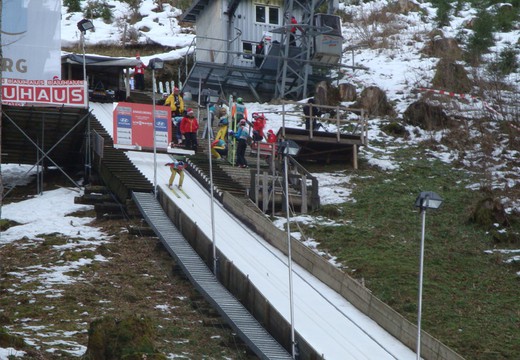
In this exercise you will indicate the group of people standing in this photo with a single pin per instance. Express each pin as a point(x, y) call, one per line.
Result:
point(185, 124)
point(242, 129)
point(236, 127)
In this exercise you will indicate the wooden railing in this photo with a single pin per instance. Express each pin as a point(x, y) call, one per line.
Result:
point(269, 187)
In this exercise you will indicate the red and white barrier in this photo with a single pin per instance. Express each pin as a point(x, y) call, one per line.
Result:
point(462, 96)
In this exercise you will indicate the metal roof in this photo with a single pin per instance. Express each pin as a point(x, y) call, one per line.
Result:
point(94, 60)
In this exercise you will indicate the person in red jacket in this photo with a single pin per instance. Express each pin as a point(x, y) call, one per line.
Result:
point(258, 126)
point(292, 33)
point(139, 74)
point(271, 137)
point(189, 127)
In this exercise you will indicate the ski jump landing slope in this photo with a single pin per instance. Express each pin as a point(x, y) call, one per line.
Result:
point(328, 322)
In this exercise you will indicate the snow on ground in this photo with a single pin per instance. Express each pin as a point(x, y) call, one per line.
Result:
point(344, 332)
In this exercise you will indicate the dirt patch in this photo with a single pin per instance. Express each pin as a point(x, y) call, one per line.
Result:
point(125, 276)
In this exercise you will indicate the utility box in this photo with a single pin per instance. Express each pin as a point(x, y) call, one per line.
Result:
point(327, 44)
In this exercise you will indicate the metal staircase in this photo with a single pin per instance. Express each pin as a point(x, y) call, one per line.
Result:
point(236, 315)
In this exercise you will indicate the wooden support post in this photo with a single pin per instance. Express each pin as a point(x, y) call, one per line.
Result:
point(354, 156)
point(303, 190)
point(265, 191)
point(338, 137)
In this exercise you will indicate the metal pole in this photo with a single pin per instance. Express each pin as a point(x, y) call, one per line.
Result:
point(211, 198)
point(257, 179)
point(273, 166)
point(84, 63)
point(88, 158)
point(289, 255)
point(283, 119)
point(154, 144)
point(421, 268)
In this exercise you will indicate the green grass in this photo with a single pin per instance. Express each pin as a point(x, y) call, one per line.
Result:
point(470, 298)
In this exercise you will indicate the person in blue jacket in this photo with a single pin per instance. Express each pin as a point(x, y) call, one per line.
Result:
point(242, 135)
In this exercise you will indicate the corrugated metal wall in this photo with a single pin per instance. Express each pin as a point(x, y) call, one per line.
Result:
point(211, 33)
point(246, 32)
point(252, 31)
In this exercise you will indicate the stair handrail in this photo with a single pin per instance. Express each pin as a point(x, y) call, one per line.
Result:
point(191, 52)
point(305, 174)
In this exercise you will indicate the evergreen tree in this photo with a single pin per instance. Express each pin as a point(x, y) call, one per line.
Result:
point(482, 38)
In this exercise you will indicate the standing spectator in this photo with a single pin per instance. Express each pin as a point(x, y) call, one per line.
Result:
point(292, 33)
point(222, 129)
point(259, 53)
point(241, 135)
point(271, 137)
point(258, 126)
point(176, 167)
point(311, 113)
point(223, 119)
point(219, 146)
point(177, 129)
point(176, 102)
point(212, 115)
point(189, 127)
point(139, 74)
point(238, 112)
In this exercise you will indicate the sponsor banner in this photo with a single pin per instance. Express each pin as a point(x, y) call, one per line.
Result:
point(20, 92)
point(133, 125)
point(31, 39)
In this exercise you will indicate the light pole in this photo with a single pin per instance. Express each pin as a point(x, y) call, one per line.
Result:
point(213, 240)
point(289, 148)
point(83, 26)
point(154, 64)
point(425, 200)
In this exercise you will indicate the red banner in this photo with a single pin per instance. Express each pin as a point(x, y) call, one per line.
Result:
point(20, 92)
point(133, 125)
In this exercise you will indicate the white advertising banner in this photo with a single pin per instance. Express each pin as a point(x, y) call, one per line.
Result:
point(31, 39)
point(31, 66)
point(19, 92)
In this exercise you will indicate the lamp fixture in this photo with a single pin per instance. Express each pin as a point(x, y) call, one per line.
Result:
point(156, 64)
point(428, 200)
point(289, 147)
point(84, 25)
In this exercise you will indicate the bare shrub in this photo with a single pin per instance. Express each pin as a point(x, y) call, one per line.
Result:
point(488, 211)
point(370, 25)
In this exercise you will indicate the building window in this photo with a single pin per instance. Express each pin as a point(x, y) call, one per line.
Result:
point(267, 15)
point(247, 50)
point(273, 16)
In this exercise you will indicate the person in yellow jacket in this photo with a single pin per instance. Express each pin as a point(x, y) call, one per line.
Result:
point(176, 103)
point(176, 167)
point(219, 145)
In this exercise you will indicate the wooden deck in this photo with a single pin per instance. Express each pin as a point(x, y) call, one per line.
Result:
point(325, 146)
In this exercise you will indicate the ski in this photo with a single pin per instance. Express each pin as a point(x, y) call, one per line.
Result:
point(174, 192)
point(184, 192)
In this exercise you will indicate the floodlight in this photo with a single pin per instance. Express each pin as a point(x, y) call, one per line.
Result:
point(156, 64)
point(428, 200)
point(84, 25)
point(289, 147)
